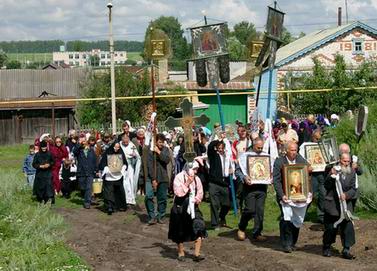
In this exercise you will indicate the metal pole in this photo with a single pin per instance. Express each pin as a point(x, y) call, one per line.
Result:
point(53, 119)
point(112, 71)
point(270, 74)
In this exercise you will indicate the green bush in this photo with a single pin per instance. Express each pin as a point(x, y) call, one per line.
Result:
point(366, 150)
point(31, 235)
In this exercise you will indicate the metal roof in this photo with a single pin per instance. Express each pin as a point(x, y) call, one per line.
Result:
point(315, 40)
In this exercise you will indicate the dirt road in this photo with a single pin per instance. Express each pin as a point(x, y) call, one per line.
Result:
point(124, 242)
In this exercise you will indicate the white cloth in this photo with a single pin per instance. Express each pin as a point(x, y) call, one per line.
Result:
point(131, 176)
point(112, 177)
point(270, 145)
point(295, 212)
point(149, 141)
point(191, 206)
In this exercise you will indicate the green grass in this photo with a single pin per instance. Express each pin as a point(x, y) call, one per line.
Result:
point(31, 235)
point(135, 56)
point(31, 57)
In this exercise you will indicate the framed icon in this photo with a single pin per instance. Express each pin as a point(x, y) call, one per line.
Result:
point(259, 169)
point(296, 184)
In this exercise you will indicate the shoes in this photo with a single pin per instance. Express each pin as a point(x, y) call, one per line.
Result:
point(347, 255)
point(87, 206)
point(326, 252)
point(181, 258)
point(110, 211)
point(198, 258)
point(287, 249)
point(160, 221)
point(217, 228)
point(260, 238)
point(151, 222)
point(241, 235)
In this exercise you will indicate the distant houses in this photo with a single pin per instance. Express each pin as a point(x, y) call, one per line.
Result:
point(356, 42)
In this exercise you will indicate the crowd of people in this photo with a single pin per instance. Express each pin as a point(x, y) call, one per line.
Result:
point(134, 163)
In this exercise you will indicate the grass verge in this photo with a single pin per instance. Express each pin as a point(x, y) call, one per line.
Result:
point(32, 236)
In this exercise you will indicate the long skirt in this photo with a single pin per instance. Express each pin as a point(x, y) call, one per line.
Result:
point(43, 188)
point(113, 194)
point(182, 228)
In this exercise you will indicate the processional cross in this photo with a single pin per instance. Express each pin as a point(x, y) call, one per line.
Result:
point(187, 122)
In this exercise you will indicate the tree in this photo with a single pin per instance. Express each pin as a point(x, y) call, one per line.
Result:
point(127, 84)
point(244, 31)
point(286, 36)
point(3, 59)
point(343, 96)
point(237, 51)
point(94, 60)
point(13, 64)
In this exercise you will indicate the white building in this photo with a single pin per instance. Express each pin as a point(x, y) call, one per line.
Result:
point(81, 59)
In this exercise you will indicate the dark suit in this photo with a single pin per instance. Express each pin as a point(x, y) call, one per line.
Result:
point(332, 210)
point(288, 232)
point(218, 187)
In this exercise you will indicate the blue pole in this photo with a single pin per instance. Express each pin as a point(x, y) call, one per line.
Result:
point(220, 109)
point(232, 188)
point(269, 97)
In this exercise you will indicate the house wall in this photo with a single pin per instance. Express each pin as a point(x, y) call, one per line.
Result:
point(23, 126)
point(234, 108)
point(343, 45)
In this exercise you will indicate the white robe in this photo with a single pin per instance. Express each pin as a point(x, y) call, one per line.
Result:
point(131, 176)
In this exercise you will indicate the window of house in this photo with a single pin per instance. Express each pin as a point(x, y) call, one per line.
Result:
point(357, 46)
point(108, 55)
point(70, 56)
point(84, 56)
point(77, 56)
point(103, 56)
point(121, 54)
point(103, 63)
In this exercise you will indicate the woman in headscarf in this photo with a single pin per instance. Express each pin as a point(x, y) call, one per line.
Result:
point(43, 163)
point(186, 220)
point(113, 166)
point(59, 153)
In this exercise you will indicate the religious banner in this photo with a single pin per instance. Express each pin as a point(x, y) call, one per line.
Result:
point(361, 120)
point(275, 20)
point(187, 122)
point(209, 41)
point(157, 45)
point(329, 149)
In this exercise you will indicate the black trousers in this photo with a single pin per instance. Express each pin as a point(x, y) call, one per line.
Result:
point(254, 197)
point(319, 191)
point(113, 194)
point(288, 232)
point(220, 203)
point(347, 232)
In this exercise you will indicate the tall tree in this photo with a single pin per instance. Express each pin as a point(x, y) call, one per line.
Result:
point(244, 31)
point(237, 51)
point(3, 59)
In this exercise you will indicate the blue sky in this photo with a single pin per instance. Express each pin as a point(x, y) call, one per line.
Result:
point(87, 19)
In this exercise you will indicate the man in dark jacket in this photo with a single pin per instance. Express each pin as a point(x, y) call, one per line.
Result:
point(288, 232)
point(86, 168)
point(347, 178)
point(219, 164)
point(157, 180)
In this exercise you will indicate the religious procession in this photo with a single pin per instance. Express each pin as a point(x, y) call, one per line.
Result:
point(221, 173)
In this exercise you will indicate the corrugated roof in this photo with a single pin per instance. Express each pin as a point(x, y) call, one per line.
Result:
point(314, 40)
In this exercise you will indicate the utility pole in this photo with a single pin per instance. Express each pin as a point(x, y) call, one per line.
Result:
point(112, 71)
point(346, 2)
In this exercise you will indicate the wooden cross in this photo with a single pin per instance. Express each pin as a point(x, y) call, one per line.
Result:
point(187, 122)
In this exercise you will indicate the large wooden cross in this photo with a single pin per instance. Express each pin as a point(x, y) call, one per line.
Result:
point(187, 122)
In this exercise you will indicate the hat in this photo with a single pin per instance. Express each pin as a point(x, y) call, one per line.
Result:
point(334, 117)
point(43, 144)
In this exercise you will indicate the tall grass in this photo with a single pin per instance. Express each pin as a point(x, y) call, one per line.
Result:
point(32, 237)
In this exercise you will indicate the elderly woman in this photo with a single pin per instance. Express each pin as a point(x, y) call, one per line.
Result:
point(186, 220)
